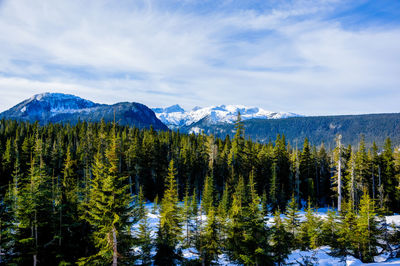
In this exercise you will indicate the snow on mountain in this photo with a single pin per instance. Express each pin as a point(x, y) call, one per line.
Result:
point(53, 103)
point(175, 116)
point(59, 107)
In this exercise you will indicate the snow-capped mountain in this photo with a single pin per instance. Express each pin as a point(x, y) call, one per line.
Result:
point(176, 117)
point(59, 107)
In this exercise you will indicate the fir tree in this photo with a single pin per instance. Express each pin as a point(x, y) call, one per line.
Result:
point(143, 236)
point(280, 240)
point(329, 230)
point(310, 234)
point(211, 244)
point(292, 222)
point(169, 231)
point(208, 194)
point(366, 230)
point(109, 211)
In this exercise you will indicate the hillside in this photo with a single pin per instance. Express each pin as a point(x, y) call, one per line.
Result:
point(318, 129)
point(63, 108)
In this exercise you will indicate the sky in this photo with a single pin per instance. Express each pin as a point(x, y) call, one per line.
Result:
point(308, 57)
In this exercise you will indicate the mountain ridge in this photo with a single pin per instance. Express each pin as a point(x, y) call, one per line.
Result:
point(61, 108)
point(176, 117)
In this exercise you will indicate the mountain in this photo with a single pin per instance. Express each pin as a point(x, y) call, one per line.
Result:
point(58, 107)
point(318, 129)
point(176, 117)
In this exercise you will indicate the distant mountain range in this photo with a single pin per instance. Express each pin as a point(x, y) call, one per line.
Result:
point(58, 107)
point(176, 117)
point(260, 125)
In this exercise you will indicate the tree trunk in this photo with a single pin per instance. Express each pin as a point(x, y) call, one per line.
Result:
point(115, 250)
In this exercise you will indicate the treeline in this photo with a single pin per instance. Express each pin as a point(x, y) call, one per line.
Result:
point(72, 193)
point(318, 129)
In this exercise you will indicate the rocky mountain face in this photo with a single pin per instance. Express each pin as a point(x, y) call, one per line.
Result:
point(58, 107)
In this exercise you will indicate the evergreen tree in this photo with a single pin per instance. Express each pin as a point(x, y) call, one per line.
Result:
point(307, 173)
point(366, 230)
point(280, 240)
point(292, 222)
point(211, 244)
point(109, 209)
point(143, 236)
point(169, 231)
point(329, 230)
point(310, 233)
point(347, 231)
point(208, 194)
point(247, 235)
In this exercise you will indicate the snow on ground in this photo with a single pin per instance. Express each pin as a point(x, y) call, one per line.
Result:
point(319, 256)
point(393, 219)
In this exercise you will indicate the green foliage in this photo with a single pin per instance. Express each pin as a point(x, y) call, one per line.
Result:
point(292, 222)
point(208, 194)
point(367, 230)
point(144, 240)
point(247, 240)
point(310, 232)
point(108, 210)
point(280, 240)
point(66, 194)
point(169, 231)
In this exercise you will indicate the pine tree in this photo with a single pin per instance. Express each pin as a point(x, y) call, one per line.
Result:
point(280, 240)
point(247, 234)
point(211, 244)
point(307, 173)
point(109, 211)
point(366, 230)
point(292, 222)
point(34, 213)
point(329, 230)
point(169, 231)
point(223, 207)
point(187, 215)
point(347, 231)
point(310, 233)
point(274, 189)
point(208, 195)
point(143, 236)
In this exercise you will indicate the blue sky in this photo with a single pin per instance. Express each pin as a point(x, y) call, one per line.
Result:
point(308, 57)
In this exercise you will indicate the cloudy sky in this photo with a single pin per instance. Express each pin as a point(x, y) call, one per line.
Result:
point(309, 57)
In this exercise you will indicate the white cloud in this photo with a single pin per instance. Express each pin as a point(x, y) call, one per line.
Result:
point(286, 58)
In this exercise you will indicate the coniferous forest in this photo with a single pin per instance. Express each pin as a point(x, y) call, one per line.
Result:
point(80, 194)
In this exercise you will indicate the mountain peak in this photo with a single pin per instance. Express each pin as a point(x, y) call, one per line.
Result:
point(176, 117)
point(59, 107)
point(171, 109)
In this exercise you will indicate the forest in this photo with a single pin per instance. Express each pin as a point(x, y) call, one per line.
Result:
point(79, 194)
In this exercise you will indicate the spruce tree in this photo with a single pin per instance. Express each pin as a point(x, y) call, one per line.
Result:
point(347, 231)
point(143, 236)
point(310, 232)
point(211, 243)
point(366, 230)
point(329, 230)
point(247, 234)
point(292, 222)
point(208, 194)
point(280, 240)
point(109, 210)
point(169, 230)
